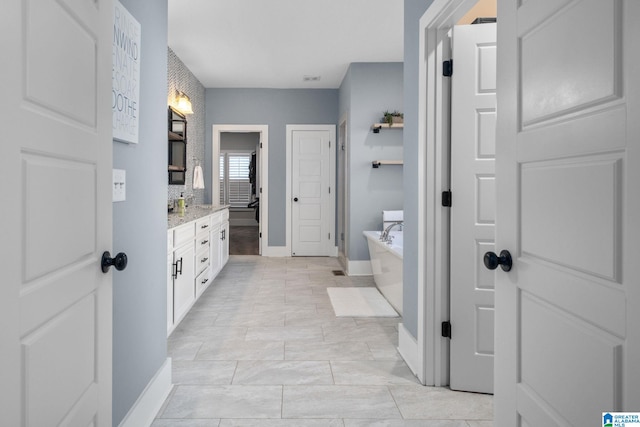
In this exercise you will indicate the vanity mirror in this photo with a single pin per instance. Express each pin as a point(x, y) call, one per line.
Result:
point(177, 147)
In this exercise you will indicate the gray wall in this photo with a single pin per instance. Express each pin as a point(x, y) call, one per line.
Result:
point(413, 11)
point(276, 108)
point(182, 79)
point(140, 223)
point(230, 141)
point(370, 89)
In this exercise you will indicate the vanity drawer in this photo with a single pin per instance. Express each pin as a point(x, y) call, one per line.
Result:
point(203, 224)
point(183, 234)
point(202, 241)
point(202, 281)
point(202, 260)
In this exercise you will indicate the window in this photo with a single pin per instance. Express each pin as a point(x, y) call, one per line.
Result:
point(235, 188)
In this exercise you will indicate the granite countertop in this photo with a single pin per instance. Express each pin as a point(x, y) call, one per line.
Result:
point(192, 213)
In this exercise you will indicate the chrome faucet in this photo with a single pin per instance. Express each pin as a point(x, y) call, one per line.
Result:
point(384, 236)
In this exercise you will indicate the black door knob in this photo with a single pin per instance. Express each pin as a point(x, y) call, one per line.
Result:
point(295, 199)
point(119, 261)
point(492, 261)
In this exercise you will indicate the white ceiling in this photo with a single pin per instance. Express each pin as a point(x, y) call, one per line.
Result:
point(275, 43)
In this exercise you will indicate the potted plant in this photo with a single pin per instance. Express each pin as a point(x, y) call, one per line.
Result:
point(392, 118)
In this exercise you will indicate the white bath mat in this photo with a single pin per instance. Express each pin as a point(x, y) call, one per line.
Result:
point(359, 302)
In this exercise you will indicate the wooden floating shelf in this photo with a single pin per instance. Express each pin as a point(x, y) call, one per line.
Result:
point(376, 163)
point(377, 126)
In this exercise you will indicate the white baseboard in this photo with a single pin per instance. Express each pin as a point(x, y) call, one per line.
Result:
point(284, 251)
point(408, 349)
point(359, 268)
point(144, 411)
point(277, 251)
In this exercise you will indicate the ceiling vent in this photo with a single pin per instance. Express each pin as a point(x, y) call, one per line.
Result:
point(311, 78)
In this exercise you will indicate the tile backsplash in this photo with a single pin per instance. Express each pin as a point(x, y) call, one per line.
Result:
point(180, 78)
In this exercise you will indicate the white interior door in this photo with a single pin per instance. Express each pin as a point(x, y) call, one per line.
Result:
point(473, 125)
point(312, 215)
point(568, 168)
point(55, 302)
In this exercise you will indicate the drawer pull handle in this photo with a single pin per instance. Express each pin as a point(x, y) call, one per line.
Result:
point(204, 281)
point(204, 226)
point(204, 260)
point(204, 242)
point(174, 268)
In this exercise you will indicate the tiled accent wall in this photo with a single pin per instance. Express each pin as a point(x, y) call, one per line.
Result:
point(182, 79)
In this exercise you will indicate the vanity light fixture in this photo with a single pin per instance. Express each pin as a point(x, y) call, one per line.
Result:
point(183, 103)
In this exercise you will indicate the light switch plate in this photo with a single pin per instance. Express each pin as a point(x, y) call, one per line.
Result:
point(119, 185)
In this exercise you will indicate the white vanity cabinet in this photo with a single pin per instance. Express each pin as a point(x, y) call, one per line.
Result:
point(182, 272)
point(224, 242)
point(203, 254)
point(215, 262)
point(193, 260)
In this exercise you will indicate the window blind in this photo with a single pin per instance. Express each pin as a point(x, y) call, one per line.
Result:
point(235, 188)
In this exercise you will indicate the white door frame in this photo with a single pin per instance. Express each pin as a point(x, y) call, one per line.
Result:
point(344, 194)
point(428, 353)
point(332, 174)
point(263, 130)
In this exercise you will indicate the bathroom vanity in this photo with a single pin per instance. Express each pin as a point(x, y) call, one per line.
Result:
point(197, 249)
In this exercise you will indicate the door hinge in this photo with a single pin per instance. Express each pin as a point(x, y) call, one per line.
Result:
point(260, 190)
point(342, 236)
point(261, 145)
point(329, 143)
point(446, 329)
point(261, 235)
point(328, 236)
point(446, 199)
point(447, 68)
point(329, 190)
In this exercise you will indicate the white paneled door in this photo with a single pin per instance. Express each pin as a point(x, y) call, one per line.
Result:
point(568, 210)
point(473, 137)
point(312, 213)
point(55, 302)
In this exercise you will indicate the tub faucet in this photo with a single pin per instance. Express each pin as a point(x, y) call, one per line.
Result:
point(384, 236)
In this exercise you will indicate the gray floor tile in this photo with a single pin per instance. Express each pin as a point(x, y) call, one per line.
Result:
point(441, 403)
point(286, 333)
point(281, 423)
point(185, 423)
point(208, 333)
point(242, 350)
point(263, 347)
point(234, 401)
point(315, 319)
point(384, 350)
point(327, 351)
point(361, 333)
point(338, 401)
point(365, 372)
point(230, 318)
point(268, 372)
point(183, 350)
point(404, 423)
point(203, 372)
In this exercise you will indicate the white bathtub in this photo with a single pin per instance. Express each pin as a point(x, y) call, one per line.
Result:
point(386, 264)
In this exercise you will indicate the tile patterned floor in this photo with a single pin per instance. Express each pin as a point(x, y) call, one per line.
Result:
point(262, 347)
